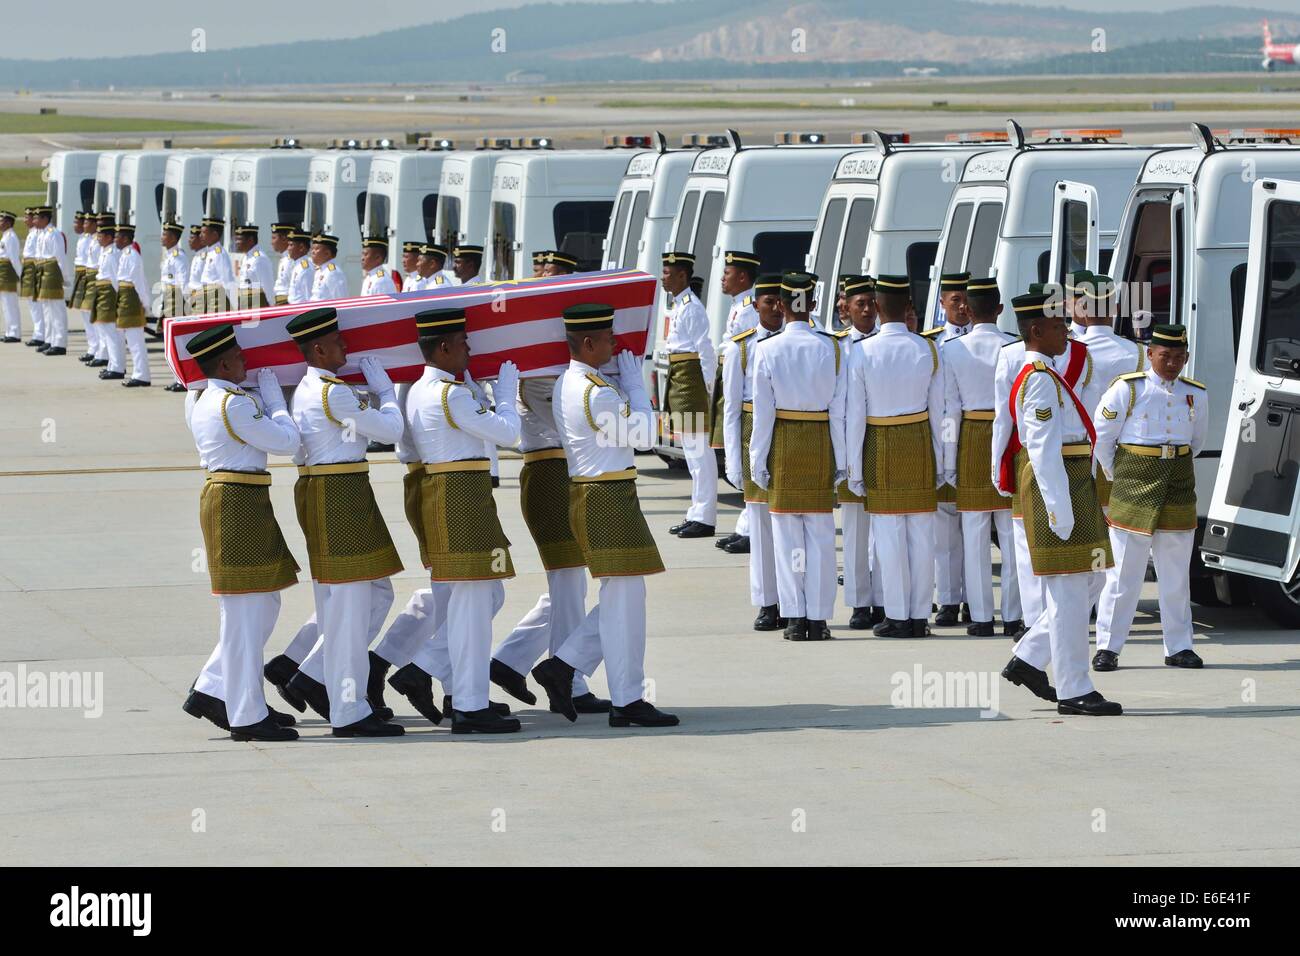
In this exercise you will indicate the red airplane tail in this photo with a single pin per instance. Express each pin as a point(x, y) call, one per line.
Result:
point(1268, 35)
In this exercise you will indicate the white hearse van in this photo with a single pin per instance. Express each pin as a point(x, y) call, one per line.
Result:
point(258, 186)
point(185, 186)
point(1000, 219)
point(70, 185)
point(402, 198)
point(336, 204)
point(546, 199)
point(106, 171)
point(140, 188)
point(465, 196)
point(885, 208)
point(645, 206)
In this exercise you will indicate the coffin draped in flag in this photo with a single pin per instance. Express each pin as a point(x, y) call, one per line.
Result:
point(521, 321)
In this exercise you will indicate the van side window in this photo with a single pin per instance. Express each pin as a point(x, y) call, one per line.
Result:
point(920, 257)
point(1279, 340)
point(169, 204)
point(984, 238)
point(580, 228)
point(1237, 290)
point(958, 231)
point(1074, 232)
point(706, 234)
point(87, 193)
point(784, 251)
point(290, 204)
point(1044, 263)
point(620, 228)
point(856, 232)
point(361, 209)
point(379, 215)
point(158, 200)
point(828, 243)
point(686, 221)
point(635, 227)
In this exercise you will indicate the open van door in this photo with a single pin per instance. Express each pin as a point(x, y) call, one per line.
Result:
point(1253, 526)
point(1075, 237)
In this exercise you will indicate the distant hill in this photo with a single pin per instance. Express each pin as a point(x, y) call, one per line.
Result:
point(698, 39)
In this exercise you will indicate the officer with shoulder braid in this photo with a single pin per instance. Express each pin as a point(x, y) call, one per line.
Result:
point(10, 278)
point(280, 233)
point(1150, 427)
point(256, 286)
point(738, 275)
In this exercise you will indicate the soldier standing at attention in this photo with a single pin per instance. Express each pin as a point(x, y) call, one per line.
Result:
point(738, 274)
point(738, 360)
point(410, 263)
point(217, 280)
point(280, 233)
point(969, 364)
point(558, 264)
point(895, 455)
point(1150, 427)
point(173, 278)
point(1064, 526)
point(375, 277)
point(430, 266)
point(601, 427)
point(303, 273)
point(329, 282)
point(132, 290)
point(106, 300)
point(796, 454)
point(539, 263)
point(467, 265)
point(76, 300)
point(10, 277)
point(194, 282)
point(30, 279)
point(248, 560)
point(691, 368)
point(256, 286)
point(352, 555)
point(52, 264)
point(463, 539)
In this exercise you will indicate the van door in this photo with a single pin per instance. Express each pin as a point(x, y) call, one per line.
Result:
point(1254, 520)
point(1182, 264)
point(1074, 230)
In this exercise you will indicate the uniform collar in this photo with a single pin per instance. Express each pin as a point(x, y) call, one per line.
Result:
point(1098, 332)
point(1154, 378)
point(981, 328)
point(220, 383)
point(1032, 356)
point(893, 328)
point(800, 325)
point(441, 375)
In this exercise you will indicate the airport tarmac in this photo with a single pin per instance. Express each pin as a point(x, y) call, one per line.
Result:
point(786, 753)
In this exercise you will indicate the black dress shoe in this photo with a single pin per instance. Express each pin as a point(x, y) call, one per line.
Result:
point(56, 350)
point(369, 726)
point(877, 614)
point(206, 707)
point(175, 387)
point(860, 619)
point(111, 376)
point(947, 615)
point(44, 347)
point(1030, 678)
point(769, 618)
point(284, 720)
point(97, 363)
point(1188, 658)
point(375, 686)
point(511, 681)
point(1090, 705)
point(417, 687)
point(313, 692)
point(485, 721)
point(556, 678)
point(696, 529)
point(677, 528)
point(267, 729)
point(87, 357)
point(818, 631)
point(980, 629)
point(496, 706)
point(9, 338)
point(892, 628)
point(739, 546)
point(34, 343)
point(135, 383)
point(725, 540)
point(796, 629)
point(920, 627)
point(965, 614)
point(377, 446)
point(1013, 629)
point(589, 703)
point(1105, 661)
point(642, 714)
point(278, 671)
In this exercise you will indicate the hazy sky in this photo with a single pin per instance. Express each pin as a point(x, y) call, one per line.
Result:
point(81, 28)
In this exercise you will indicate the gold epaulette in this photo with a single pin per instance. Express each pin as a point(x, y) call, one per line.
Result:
point(332, 380)
point(1040, 366)
point(841, 333)
point(1131, 375)
point(597, 380)
point(931, 333)
point(745, 334)
point(236, 391)
point(1189, 381)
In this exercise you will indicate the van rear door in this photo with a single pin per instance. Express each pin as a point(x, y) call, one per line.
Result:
point(1254, 519)
point(1074, 230)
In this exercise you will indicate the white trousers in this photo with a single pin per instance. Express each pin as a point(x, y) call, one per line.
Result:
point(557, 614)
point(346, 613)
point(470, 608)
point(56, 322)
point(415, 625)
point(702, 463)
point(763, 590)
point(37, 308)
point(12, 317)
point(742, 523)
point(89, 328)
point(1060, 634)
point(233, 672)
point(905, 547)
point(613, 631)
point(312, 663)
point(949, 559)
point(859, 556)
point(1031, 585)
point(1172, 551)
point(977, 545)
point(804, 555)
point(116, 345)
point(139, 354)
point(104, 333)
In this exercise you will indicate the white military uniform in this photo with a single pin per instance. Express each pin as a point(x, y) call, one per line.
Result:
point(256, 273)
point(860, 587)
point(560, 611)
point(1112, 356)
point(742, 317)
point(688, 331)
point(352, 613)
point(448, 423)
point(35, 305)
point(1059, 635)
point(53, 244)
point(174, 270)
point(301, 280)
point(84, 243)
point(107, 332)
point(796, 371)
point(233, 673)
point(130, 268)
point(1167, 414)
point(217, 271)
point(94, 252)
point(737, 389)
point(969, 365)
point(329, 283)
point(194, 281)
point(9, 312)
point(894, 374)
point(283, 273)
point(949, 559)
point(378, 281)
point(614, 630)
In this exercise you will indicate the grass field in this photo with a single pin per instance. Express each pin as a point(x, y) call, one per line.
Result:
point(58, 123)
point(948, 106)
point(20, 179)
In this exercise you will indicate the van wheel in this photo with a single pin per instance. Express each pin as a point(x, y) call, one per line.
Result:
point(1203, 592)
point(1277, 601)
point(672, 461)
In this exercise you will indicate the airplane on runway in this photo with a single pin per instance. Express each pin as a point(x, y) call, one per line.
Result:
point(1271, 53)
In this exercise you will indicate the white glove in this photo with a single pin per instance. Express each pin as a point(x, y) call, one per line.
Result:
point(858, 487)
point(507, 386)
point(376, 378)
point(950, 478)
point(939, 479)
point(709, 377)
point(1063, 529)
point(737, 478)
point(269, 388)
point(629, 369)
point(760, 478)
point(839, 476)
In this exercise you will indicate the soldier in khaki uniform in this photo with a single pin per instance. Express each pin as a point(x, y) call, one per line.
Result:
point(132, 293)
point(10, 278)
point(51, 254)
point(105, 316)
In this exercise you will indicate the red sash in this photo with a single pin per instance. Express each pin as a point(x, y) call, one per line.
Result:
point(397, 280)
point(1073, 369)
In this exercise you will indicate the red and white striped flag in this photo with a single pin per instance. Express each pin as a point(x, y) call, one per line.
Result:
point(521, 321)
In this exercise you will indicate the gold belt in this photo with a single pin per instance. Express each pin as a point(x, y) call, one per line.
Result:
point(607, 476)
point(911, 419)
point(414, 466)
point(790, 415)
point(747, 407)
point(979, 414)
point(123, 284)
point(468, 464)
point(543, 454)
point(683, 356)
point(342, 468)
point(1158, 451)
point(239, 477)
point(1079, 449)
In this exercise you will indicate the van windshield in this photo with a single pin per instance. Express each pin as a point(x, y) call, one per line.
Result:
point(1279, 334)
point(315, 212)
point(503, 240)
point(448, 226)
point(377, 215)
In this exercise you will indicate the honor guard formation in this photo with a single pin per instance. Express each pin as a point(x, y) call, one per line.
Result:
point(1068, 446)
